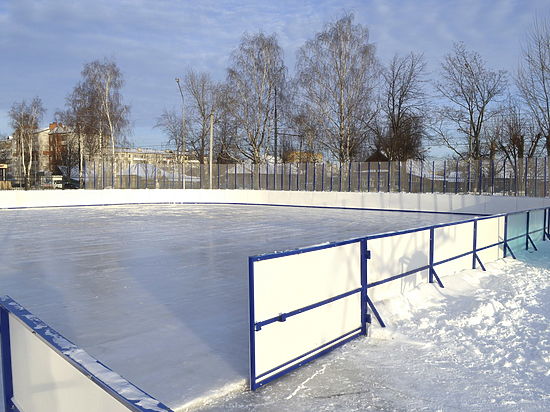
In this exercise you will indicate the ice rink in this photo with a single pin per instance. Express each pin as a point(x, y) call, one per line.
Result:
point(159, 293)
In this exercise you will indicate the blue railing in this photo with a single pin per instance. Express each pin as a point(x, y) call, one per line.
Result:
point(525, 236)
point(128, 395)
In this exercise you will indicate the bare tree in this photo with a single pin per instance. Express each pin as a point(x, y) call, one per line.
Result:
point(533, 78)
point(402, 129)
point(170, 123)
point(470, 88)
point(25, 120)
point(337, 73)
point(257, 70)
point(103, 81)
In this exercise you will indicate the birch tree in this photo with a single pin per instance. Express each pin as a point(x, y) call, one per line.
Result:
point(25, 120)
point(337, 73)
point(533, 78)
point(403, 108)
point(470, 89)
point(256, 71)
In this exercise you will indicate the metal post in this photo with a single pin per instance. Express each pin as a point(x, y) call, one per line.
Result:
point(129, 175)
point(349, 176)
point(378, 185)
point(536, 167)
point(431, 257)
point(267, 176)
point(331, 176)
point(200, 175)
point(211, 152)
point(358, 176)
point(492, 176)
point(226, 176)
point(480, 176)
point(274, 176)
point(297, 176)
point(526, 184)
point(323, 177)
point(282, 176)
point(504, 178)
point(314, 177)
point(527, 231)
point(252, 167)
point(546, 176)
point(389, 177)
point(410, 177)
point(7, 377)
point(433, 175)
point(146, 177)
point(456, 178)
point(305, 180)
point(368, 177)
point(474, 254)
point(421, 176)
point(399, 176)
point(340, 178)
point(469, 176)
point(364, 260)
point(444, 176)
point(235, 177)
point(505, 251)
point(289, 175)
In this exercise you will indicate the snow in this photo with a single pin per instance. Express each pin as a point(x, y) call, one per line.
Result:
point(159, 293)
point(482, 343)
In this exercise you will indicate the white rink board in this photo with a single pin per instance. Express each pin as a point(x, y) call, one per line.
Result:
point(393, 255)
point(489, 232)
point(450, 241)
point(517, 224)
point(536, 224)
point(292, 282)
point(44, 381)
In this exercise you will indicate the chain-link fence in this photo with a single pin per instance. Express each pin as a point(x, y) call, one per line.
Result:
point(519, 177)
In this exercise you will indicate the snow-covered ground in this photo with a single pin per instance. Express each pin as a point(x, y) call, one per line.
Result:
point(159, 293)
point(480, 344)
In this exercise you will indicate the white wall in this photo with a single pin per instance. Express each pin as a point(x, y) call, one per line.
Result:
point(396, 201)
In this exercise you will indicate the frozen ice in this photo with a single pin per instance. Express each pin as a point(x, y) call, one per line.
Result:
point(159, 293)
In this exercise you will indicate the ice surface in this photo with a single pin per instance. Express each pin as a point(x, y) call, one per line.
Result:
point(159, 293)
point(480, 344)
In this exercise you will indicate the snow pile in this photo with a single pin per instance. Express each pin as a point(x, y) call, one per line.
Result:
point(482, 343)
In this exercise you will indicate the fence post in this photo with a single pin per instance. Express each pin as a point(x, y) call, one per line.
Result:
point(526, 165)
point(368, 176)
point(358, 176)
point(444, 176)
point(266, 176)
point(340, 179)
point(410, 177)
point(492, 176)
point(399, 176)
point(297, 176)
point(456, 178)
point(480, 176)
point(323, 177)
point(289, 175)
point(433, 175)
point(314, 177)
point(306, 176)
point(469, 186)
point(535, 185)
point(378, 185)
point(504, 177)
point(504, 253)
point(349, 176)
point(389, 176)
point(546, 176)
point(283, 177)
point(421, 176)
point(129, 175)
point(331, 176)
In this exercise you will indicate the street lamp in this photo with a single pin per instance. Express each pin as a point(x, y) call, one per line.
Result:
point(182, 128)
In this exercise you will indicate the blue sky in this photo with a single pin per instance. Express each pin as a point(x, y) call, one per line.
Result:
point(44, 43)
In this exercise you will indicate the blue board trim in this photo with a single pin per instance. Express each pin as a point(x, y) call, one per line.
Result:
point(65, 348)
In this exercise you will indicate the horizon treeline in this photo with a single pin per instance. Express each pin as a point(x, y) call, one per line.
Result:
point(341, 104)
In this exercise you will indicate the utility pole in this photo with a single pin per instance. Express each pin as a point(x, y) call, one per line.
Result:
point(182, 130)
point(210, 155)
point(275, 151)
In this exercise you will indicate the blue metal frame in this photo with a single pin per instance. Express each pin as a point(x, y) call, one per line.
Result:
point(366, 302)
point(62, 347)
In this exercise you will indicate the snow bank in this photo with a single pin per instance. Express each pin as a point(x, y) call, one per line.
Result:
point(481, 343)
